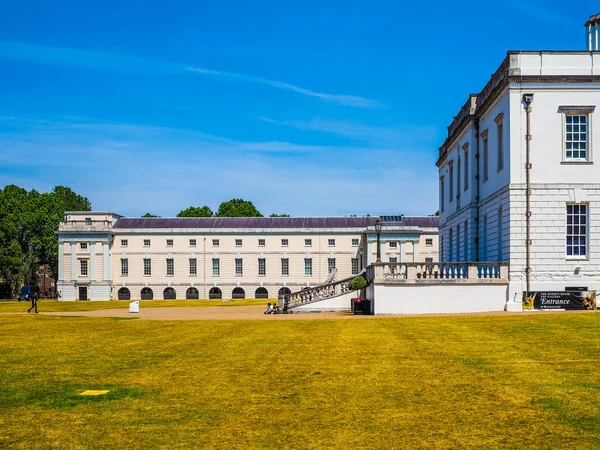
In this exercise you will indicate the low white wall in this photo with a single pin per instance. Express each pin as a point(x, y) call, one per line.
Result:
point(341, 303)
point(436, 299)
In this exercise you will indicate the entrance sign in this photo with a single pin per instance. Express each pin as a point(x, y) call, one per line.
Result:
point(559, 300)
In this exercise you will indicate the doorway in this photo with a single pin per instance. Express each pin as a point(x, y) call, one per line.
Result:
point(83, 293)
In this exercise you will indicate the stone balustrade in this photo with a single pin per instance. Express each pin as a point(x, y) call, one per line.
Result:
point(82, 225)
point(315, 294)
point(451, 272)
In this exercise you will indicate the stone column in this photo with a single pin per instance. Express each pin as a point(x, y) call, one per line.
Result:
point(402, 251)
point(105, 262)
point(92, 261)
point(369, 253)
point(73, 261)
point(416, 251)
point(61, 261)
point(383, 251)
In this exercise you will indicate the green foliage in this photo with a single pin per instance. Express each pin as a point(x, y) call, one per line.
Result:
point(149, 215)
point(28, 225)
point(236, 207)
point(437, 213)
point(279, 215)
point(357, 283)
point(195, 211)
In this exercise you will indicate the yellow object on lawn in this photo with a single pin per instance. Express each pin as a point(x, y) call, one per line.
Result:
point(92, 392)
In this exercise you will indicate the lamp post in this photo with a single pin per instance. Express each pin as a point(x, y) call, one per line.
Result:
point(378, 231)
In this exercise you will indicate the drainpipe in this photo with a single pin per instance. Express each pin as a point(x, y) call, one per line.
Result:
point(527, 99)
point(476, 121)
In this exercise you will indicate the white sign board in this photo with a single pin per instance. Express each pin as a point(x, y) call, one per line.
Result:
point(134, 307)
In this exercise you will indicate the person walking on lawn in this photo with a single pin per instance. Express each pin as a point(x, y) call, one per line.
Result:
point(34, 295)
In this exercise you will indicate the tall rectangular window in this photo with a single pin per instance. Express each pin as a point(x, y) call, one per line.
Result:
point(576, 137)
point(442, 198)
point(466, 163)
point(83, 263)
point(500, 139)
point(577, 230)
point(239, 267)
point(466, 243)
point(193, 266)
point(354, 266)
point(450, 244)
point(170, 267)
point(500, 255)
point(330, 264)
point(484, 243)
point(262, 266)
point(308, 266)
point(124, 267)
point(451, 183)
point(457, 243)
point(147, 267)
point(216, 267)
point(285, 266)
point(485, 159)
point(458, 172)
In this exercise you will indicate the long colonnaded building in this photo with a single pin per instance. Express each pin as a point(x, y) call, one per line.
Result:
point(105, 256)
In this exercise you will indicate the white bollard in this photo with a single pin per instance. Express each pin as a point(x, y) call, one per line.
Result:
point(134, 307)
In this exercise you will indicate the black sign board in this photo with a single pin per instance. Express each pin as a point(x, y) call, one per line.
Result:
point(559, 300)
point(576, 288)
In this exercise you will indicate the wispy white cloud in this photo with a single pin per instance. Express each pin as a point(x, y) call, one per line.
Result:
point(133, 169)
point(67, 57)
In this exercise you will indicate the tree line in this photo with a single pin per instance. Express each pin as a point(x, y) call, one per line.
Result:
point(28, 224)
point(236, 207)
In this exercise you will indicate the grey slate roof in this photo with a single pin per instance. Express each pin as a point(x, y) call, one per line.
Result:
point(266, 222)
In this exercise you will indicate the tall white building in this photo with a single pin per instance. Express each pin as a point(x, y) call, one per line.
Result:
point(519, 171)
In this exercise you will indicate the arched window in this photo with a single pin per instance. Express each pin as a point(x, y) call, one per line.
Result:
point(192, 294)
point(215, 293)
point(169, 294)
point(238, 292)
point(147, 294)
point(284, 291)
point(124, 294)
point(261, 292)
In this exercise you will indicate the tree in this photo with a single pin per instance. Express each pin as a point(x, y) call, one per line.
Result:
point(279, 215)
point(195, 211)
point(149, 215)
point(237, 207)
point(357, 283)
point(437, 213)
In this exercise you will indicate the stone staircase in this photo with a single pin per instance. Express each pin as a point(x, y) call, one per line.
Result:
point(329, 289)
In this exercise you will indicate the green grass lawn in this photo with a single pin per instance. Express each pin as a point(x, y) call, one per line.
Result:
point(54, 306)
point(526, 381)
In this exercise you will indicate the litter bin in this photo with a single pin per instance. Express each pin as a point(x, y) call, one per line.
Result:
point(361, 306)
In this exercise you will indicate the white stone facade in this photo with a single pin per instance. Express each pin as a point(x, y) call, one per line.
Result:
point(491, 130)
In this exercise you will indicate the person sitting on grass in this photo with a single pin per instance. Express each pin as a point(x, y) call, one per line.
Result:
point(269, 309)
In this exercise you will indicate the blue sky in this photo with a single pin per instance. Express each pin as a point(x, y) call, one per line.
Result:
point(307, 108)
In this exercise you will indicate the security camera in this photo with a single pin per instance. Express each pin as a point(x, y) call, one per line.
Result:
point(527, 98)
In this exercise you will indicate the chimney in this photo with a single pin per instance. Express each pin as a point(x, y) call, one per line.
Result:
point(592, 28)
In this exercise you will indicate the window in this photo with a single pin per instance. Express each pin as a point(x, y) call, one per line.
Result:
point(308, 266)
point(429, 242)
point(261, 243)
point(262, 266)
point(354, 242)
point(354, 266)
point(450, 243)
point(83, 264)
point(331, 242)
point(576, 138)
point(500, 255)
point(577, 216)
point(285, 266)
point(393, 245)
point(284, 242)
point(393, 268)
point(146, 242)
point(192, 242)
point(238, 242)
point(428, 260)
point(239, 267)
point(124, 267)
point(457, 243)
point(466, 242)
point(500, 138)
point(169, 242)
point(307, 242)
point(216, 267)
point(215, 242)
point(330, 264)
point(170, 267)
point(451, 183)
point(485, 254)
point(193, 266)
point(458, 174)
point(393, 259)
point(484, 138)
point(466, 163)
point(124, 243)
point(83, 246)
point(88, 220)
point(147, 266)
point(442, 194)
